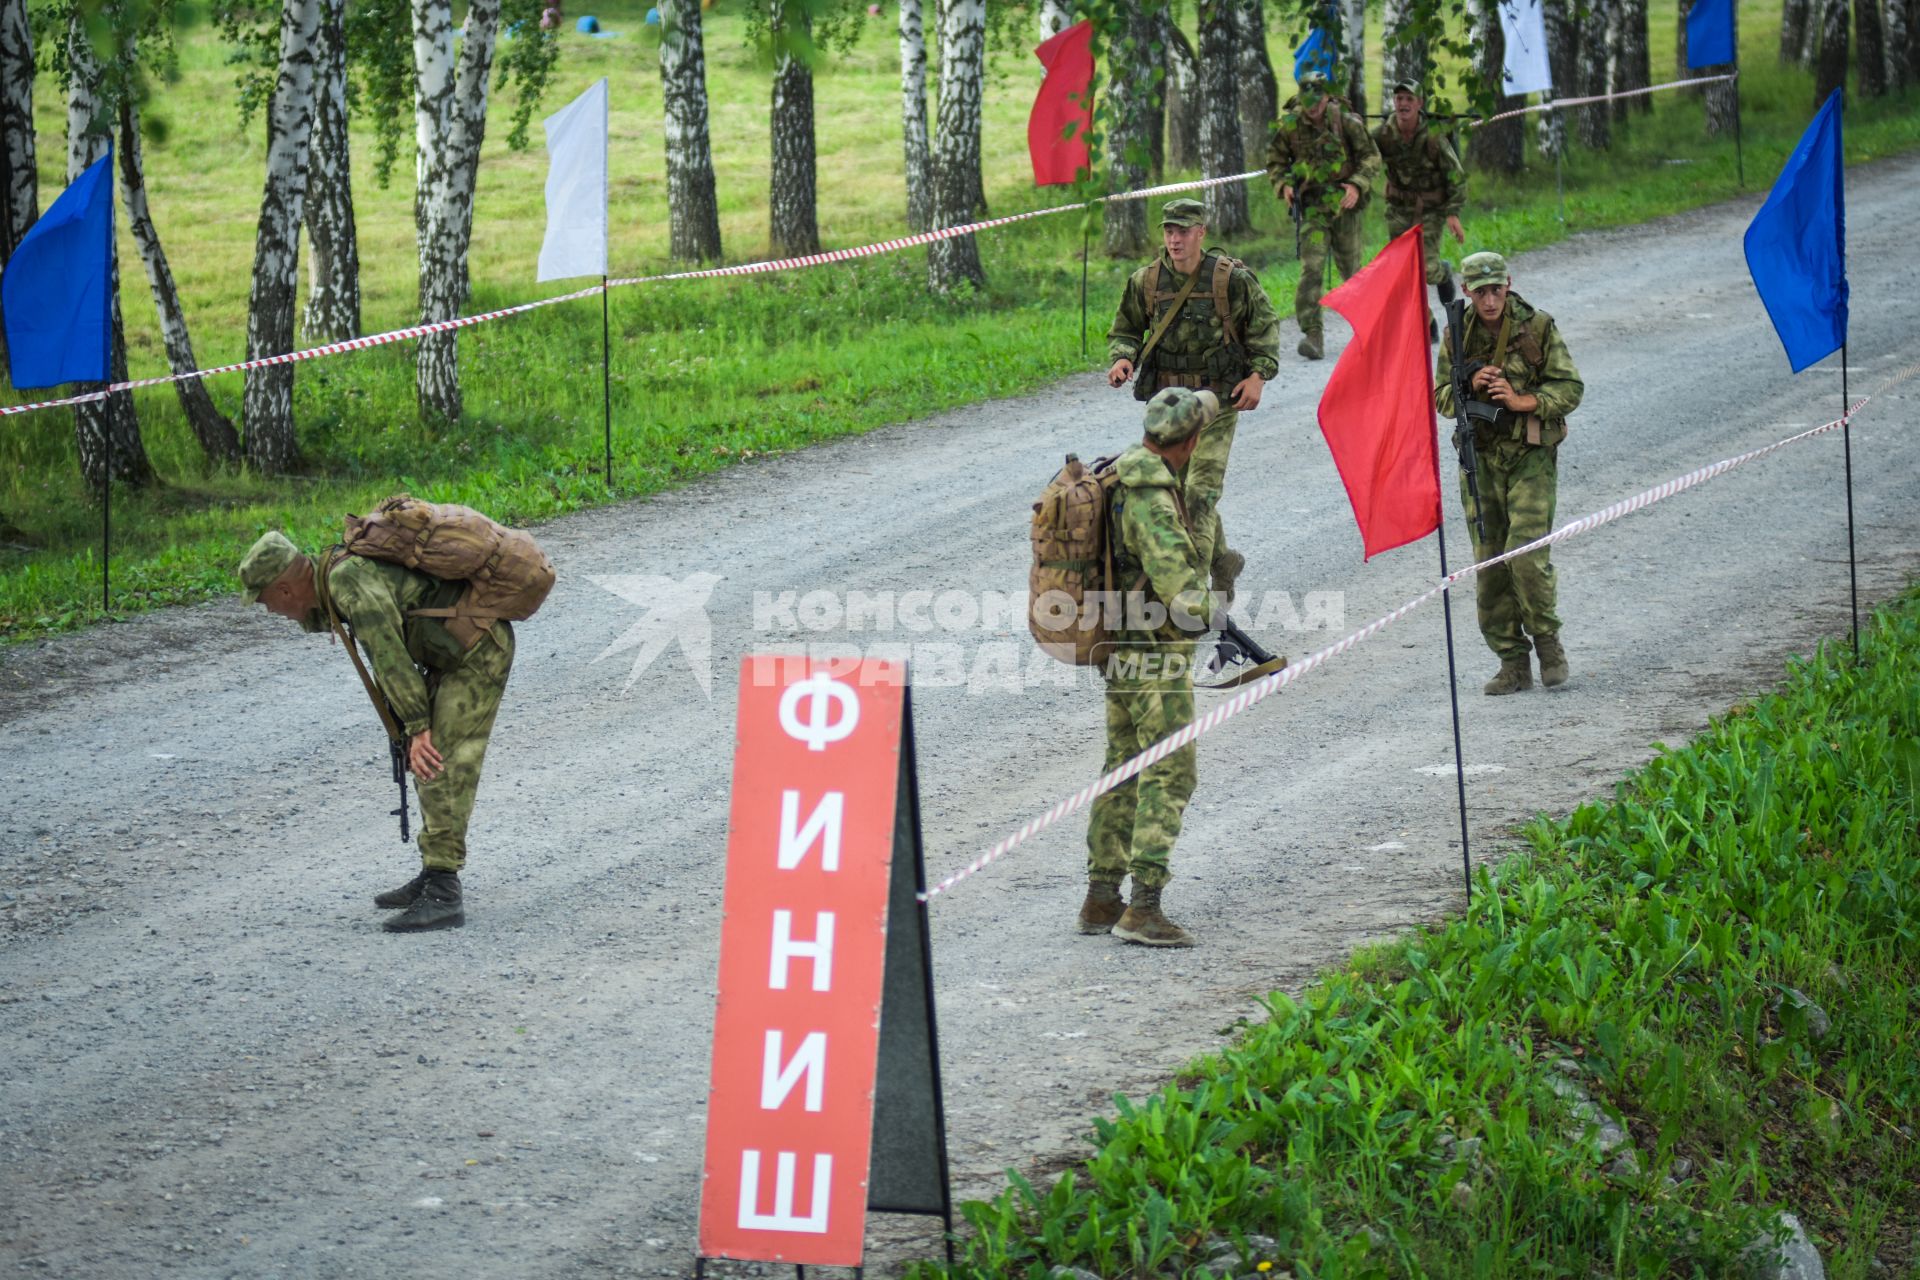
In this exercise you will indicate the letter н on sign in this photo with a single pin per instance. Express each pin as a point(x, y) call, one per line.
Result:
point(802, 961)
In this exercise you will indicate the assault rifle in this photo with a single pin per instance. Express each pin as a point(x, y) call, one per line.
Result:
point(1237, 648)
point(397, 749)
point(1467, 412)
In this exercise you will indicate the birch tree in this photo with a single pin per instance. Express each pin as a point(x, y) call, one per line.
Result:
point(1353, 51)
point(1723, 99)
point(1498, 147)
point(333, 259)
point(1899, 18)
point(1180, 94)
point(1794, 16)
point(1870, 49)
point(956, 144)
point(1055, 17)
point(1632, 63)
point(693, 208)
point(19, 166)
point(1405, 54)
point(1222, 144)
point(913, 115)
point(1596, 120)
point(1259, 90)
point(1563, 42)
point(1830, 68)
point(792, 212)
point(1130, 92)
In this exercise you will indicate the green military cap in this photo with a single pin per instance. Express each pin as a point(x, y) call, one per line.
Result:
point(265, 561)
point(1185, 212)
point(1481, 269)
point(1408, 86)
point(1176, 413)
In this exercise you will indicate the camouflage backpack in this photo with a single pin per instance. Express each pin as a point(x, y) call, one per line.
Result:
point(1072, 570)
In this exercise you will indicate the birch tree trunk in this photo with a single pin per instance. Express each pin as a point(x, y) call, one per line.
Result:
point(1830, 69)
point(1912, 52)
point(1259, 90)
point(792, 215)
point(1899, 16)
point(1793, 32)
point(1405, 54)
point(19, 174)
point(1632, 65)
point(1353, 52)
point(1810, 38)
point(1563, 44)
point(1870, 49)
point(106, 432)
point(956, 144)
point(693, 207)
point(333, 258)
point(218, 440)
point(267, 406)
point(1723, 100)
point(913, 115)
point(1129, 99)
point(1221, 141)
point(1180, 95)
point(450, 122)
point(1498, 147)
point(1055, 17)
point(1596, 121)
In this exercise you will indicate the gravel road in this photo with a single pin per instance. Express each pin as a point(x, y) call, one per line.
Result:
point(217, 1065)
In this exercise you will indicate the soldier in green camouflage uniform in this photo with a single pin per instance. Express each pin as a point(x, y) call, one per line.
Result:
point(1528, 374)
point(1322, 157)
point(1233, 356)
point(442, 697)
point(1425, 183)
point(1166, 608)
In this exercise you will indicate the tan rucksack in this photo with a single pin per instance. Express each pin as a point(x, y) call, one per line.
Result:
point(507, 574)
point(1073, 564)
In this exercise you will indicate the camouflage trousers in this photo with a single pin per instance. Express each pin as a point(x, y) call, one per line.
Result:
point(1206, 478)
point(464, 703)
point(1133, 826)
point(1341, 232)
point(1518, 484)
point(1432, 223)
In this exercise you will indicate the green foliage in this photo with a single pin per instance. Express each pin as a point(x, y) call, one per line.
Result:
point(1410, 1115)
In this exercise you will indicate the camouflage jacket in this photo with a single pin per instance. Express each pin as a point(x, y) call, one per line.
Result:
point(1197, 333)
point(1553, 378)
point(1423, 173)
point(1153, 550)
point(1314, 159)
point(372, 597)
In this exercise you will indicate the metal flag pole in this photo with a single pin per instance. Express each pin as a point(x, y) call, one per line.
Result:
point(1846, 444)
point(606, 378)
point(1739, 153)
point(1453, 680)
point(106, 520)
point(1086, 243)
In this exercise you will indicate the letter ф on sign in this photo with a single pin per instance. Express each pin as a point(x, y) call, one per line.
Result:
point(823, 827)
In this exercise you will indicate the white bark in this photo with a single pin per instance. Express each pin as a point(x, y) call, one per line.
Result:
point(1498, 147)
point(1221, 142)
point(19, 177)
point(913, 115)
point(1404, 55)
point(1259, 90)
point(1596, 121)
point(1353, 51)
point(1055, 17)
point(693, 210)
point(1632, 64)
point(1830, 68)
point(1899, 16)
point(956, 144)
point(333, 258)
point(1563, 42)
point(1794, 16)
point(1181, 93)
point(792, 211)
point(1129, 100)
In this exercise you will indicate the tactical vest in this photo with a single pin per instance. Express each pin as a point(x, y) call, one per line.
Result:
point(1201, 347)
point(1529, 341)
point(1428, 171)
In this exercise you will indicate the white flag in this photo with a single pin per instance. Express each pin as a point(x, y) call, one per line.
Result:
point(1526, 32)
point(576, 243)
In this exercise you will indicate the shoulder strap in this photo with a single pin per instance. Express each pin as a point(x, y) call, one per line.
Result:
point(1222, 275)
point(331, 557)
point(1531, 340)
point(1166, 321)
point(1152, 283)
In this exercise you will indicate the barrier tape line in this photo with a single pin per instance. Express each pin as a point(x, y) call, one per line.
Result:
point(1557, 103)
point(1266, 687)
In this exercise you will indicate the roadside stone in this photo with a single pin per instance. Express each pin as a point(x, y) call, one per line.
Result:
point(1819, 1025)
point(1795, 1258)
point(1624, 1166)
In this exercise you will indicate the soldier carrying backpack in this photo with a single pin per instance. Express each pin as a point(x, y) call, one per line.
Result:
point(430, 592)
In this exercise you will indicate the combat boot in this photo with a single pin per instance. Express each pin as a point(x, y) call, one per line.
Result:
point(1227, 567)
point(1445, 287)
point(1102, 908)
point(1310, 346)
point(1145, 924)
point(438, 905)
point(1515, 674)
point(394, 899)
point(1553, 660)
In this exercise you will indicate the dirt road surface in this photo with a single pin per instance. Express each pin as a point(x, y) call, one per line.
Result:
point(217, 1065)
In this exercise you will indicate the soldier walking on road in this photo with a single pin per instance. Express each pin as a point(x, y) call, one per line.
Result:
point(442, 696)
point(1198, 319)
point(1166, 607)
point(1516, 360)
point(1323, 165)
point(1425, 183)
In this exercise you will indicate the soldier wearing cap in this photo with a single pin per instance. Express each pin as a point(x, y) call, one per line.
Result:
point(1520, 364)
point(1425, 183)
point(1323, 165)
point(441, 696)
point(1198, 319)
point(1165, 608)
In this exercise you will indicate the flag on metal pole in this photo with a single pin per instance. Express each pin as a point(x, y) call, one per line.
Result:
point(1062, 113)
point(1797, 244)
point(58, 287)
point(1525, 28)
point(576, 243)
point(1710, 33)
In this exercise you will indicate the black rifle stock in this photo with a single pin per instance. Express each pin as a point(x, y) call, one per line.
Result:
point(398, 751)
point(1466, 410)
point(1237, 648)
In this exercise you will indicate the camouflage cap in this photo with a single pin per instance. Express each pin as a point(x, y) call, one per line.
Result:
point(1177, 413)
point(1185, 212)
point(1481, 269)
point(1407, 86)
point(265, 561)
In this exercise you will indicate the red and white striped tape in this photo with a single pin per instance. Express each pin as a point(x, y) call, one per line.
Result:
point(1558, 103)
point(1264, 688)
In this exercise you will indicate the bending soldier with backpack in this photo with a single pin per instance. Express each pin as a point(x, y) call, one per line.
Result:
point(439, 647)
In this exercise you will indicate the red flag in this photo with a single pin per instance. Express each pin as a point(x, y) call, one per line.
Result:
point(1377, 411)
point(1068, 58)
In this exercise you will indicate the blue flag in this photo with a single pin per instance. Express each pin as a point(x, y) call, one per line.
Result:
point(1315, 53)
point(1797, 244)
point(1710, 33)
point(58, 287)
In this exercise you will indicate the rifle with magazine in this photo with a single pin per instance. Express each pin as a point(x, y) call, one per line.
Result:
point(1468, 413)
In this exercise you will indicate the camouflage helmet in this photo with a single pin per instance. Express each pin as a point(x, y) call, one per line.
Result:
point(264, 562)
point(1176, 413)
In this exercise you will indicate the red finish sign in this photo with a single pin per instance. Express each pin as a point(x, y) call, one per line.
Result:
point(802, 958)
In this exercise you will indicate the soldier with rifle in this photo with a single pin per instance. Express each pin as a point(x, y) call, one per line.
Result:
point(1425, 184)
point(1506, 378)
point(1323, 166)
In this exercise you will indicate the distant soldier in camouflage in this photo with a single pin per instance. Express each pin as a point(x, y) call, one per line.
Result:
point(1521, 364)
point(1166, 608)
point(1323, 166)
point(1223, 336)
point(442, 695)
point(1425, 183)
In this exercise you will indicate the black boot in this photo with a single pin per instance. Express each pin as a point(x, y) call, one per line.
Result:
point(1445, 287)
point(438, 905)
point(393, 899)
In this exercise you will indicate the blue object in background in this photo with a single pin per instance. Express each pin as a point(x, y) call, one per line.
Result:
point(587, 25)
point(1710, 33)
point(57, 287)
point(1314, 54)
point(653, 17)
point(1797, 244)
